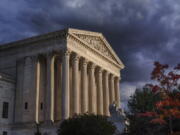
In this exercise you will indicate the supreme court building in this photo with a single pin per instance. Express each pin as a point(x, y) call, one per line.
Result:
point(51, 77)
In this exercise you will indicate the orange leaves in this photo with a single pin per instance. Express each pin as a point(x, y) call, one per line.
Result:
point(159, 104)
point(167, 79)
point(169, 107)
point(147, 114)
point(175, 112)
point(158, 121)
point(166, 108)
point(156, 88)
point(166, 88)
point(178, 116)
point(158, 71)
point(167, 102)
point(173, 76)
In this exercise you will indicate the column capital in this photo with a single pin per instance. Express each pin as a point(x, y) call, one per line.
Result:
point(50, 58)
point(28, 58)
point(92, 66)
point(84, 62)
point(75, 57)
point(49, 54)
point(66, 52)
point(35, 58)
point(117, 78)
point(112, 76)
point(106, 72)
point(99, 70)
point(59, 58)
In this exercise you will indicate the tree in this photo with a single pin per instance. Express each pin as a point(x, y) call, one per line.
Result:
point(167, 110)
point(156, 108)
point(87, 125)
point(143, 101)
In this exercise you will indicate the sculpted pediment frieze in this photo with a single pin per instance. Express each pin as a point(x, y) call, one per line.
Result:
point(98, 44)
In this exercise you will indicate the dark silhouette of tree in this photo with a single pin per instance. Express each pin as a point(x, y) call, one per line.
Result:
point(86, 125)
point(143, 100)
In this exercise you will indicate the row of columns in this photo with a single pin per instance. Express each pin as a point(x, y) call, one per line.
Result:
point(97, 91)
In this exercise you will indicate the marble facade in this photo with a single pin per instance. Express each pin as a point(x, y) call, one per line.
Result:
point(58, 75)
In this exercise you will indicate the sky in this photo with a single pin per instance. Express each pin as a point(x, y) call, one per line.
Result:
point(139, 31)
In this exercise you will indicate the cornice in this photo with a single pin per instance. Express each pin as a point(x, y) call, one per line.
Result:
point(112, 51)
point(49, 36)
point(63, 34)
point(84, 32)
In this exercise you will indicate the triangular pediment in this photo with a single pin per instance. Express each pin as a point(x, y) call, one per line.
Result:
point(99, 43)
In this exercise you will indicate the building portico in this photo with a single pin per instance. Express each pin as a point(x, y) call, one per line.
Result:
point(65, 73)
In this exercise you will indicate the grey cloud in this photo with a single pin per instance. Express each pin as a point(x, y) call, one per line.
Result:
point(140, 31)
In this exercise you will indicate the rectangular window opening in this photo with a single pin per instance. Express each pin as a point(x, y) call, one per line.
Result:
point(41, 106)
point(5, 110)
point(5, 133)
point(26, 106)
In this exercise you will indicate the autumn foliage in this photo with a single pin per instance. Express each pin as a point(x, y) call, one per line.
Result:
point(167, 84)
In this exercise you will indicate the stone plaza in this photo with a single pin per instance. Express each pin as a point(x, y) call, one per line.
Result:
point(51, 77)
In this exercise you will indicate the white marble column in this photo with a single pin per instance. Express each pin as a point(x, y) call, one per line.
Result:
point(58, 91)
point(84, 86)
point(50, 88)
point(99, 92)
point(112, 90)
point(117, 92)
point(106, 94)
point(65, 86)
point(92, 91)
point(37, 87)
point(75, 84)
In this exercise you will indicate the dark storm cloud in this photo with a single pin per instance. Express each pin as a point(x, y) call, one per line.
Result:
point(140, 31)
